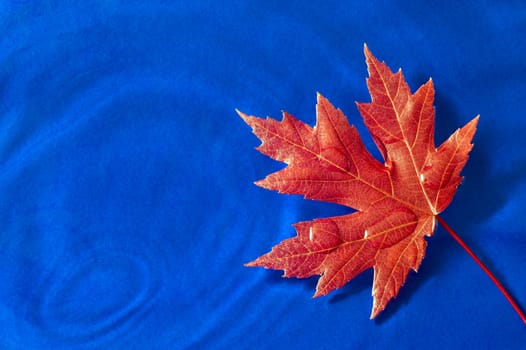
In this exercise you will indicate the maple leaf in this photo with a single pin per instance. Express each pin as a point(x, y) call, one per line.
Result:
point(396, 201)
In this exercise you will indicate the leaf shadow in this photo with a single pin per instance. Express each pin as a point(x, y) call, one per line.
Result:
point(467, 207)
point(432, 266)
point(274, 277)
point(354, 287)
point(479, 180)
point(464, 208)
point(437, 253)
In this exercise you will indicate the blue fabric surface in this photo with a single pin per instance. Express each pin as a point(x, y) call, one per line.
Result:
point(127, 205)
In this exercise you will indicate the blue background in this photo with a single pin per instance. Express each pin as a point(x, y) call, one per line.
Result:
point(127, 206)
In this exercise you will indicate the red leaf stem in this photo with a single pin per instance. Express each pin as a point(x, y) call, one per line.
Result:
point(499, 285)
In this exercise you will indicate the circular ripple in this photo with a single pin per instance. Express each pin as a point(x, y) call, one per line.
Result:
point(98, 295)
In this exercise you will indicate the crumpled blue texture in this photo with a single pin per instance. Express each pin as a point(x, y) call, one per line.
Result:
point(127, 206)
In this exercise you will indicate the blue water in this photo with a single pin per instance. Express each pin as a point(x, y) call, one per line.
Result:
point(127, 206)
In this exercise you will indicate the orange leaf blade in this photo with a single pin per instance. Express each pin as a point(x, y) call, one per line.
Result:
point(396, 202)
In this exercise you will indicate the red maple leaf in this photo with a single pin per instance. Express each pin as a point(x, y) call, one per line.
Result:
point(396, 201)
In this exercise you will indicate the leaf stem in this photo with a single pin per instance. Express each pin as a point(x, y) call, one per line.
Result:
point(513, 303)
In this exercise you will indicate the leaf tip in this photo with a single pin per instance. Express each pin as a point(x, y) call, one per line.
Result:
point(255, 263)
point(376, 310)
point(320, 291)
point(366, 48)
point(369, 57)
point(267, 184)
point(250, 264)
point(242, 115)
point(471, 127)
point(320, 98)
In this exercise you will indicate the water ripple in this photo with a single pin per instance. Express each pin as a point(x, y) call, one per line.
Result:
point(107, 145)
point(96, 296)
